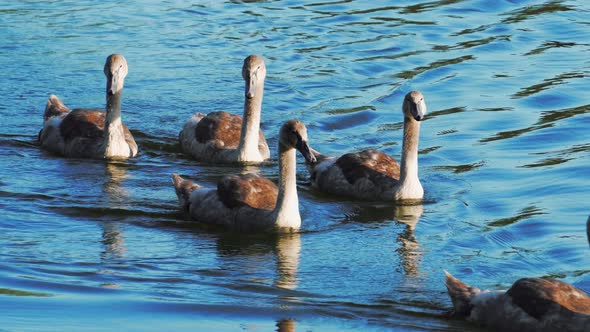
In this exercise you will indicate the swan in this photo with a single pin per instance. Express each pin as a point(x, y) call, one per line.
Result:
point(531, 304)
point(374, 175)
point(250, 202)
point(87, 133)
point(222, 137)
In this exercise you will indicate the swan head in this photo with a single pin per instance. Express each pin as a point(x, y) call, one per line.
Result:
point(115, 69)
point(293, 135)
point(254, 73)
point(414, 106)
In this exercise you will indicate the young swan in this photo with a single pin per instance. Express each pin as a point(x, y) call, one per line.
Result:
point(250, 202)
point(373, 175)
point(86, 133)
point(225, 138)
point(531, 304)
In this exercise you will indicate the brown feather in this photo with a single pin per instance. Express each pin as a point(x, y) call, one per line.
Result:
point(249, 189)
point(222, 128)
point(370, 164)
point(87, 123)
point(538, 296)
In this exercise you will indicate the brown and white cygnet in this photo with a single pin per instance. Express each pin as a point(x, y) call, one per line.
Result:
point(531, 304)
point(374, 175)
point(251, 202)
point(225, 138)
point(88, 133)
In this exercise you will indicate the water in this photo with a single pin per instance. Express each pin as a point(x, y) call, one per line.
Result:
point(504, 155)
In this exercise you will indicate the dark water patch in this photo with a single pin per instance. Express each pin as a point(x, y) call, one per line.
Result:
point(351, 110)
point(373, 10)
point(15, 292)
point(532, 12)
point(457, 169)
point(100, 213)
point(470, 43)
point(548, 117)
point(446, 132)
point(495, 109)
point(551, 44)
point(525, 213)
point(429, 149)
point(548, 83)
point(514, 133)
point(547, 162)
point(469, 31)
point(428, 6)
point(560, 156)
point(436, 64)
point(443, 112)
point(399, 21)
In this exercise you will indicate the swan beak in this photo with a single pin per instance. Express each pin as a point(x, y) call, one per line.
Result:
point(303, 147)
point(112, 85)
point(251, 87)
point(419, 111)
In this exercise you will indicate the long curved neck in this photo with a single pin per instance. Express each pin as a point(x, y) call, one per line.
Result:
point(249, 135)
point(410, 186)
point(286, 211)
point(114, 136)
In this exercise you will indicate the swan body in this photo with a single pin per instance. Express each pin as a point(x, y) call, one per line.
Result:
point(250, 202)
point(531, 304)
point(87, 133)
point(222, 137)
point(374, 175)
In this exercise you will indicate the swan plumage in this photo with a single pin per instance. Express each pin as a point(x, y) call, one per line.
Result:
point(251, 202)
point(222, 137)
point(91, 133)
point(374, 175)
point(531, 304)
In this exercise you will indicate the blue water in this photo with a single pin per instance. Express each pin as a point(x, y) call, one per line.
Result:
point(504, 160)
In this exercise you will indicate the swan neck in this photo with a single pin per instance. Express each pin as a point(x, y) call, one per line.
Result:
point(287, 208)
point(249, 135)
point(114, 138)
point(409, 161)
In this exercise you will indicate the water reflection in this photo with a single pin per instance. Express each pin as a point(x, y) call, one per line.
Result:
point(113, 241)
point(410, 255)
point(288, 249)
point(115, 173)
point(409, 215)
point(285, 325)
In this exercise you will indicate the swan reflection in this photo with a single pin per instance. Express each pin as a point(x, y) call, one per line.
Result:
point(285, 325)
point(288, 249)
point(115, 173)
point(409, 251)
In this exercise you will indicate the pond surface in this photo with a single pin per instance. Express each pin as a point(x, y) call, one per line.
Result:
point(504, 161)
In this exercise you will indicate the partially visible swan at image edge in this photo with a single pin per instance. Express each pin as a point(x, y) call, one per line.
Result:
point(250, 202)
point(374, 175)
point(531, 304)
point(89, 133)
point(222, 137)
